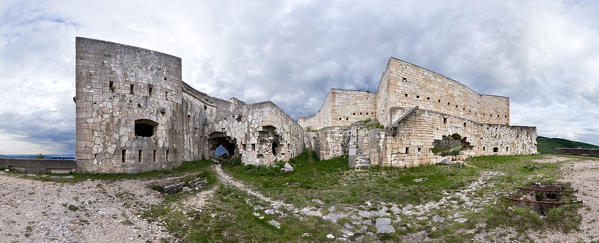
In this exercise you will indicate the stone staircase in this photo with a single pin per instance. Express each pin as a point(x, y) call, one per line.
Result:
point(362, 161)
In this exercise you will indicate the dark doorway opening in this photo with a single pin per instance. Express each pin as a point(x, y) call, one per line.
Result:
point(275, 145)
point(222, 146)
point(145, 127)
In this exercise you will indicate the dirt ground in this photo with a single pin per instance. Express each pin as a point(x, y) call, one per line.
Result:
point(102, 211)
point(584, 176)
point(89, 211)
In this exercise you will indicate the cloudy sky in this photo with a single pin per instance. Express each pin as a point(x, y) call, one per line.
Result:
point(543, 54)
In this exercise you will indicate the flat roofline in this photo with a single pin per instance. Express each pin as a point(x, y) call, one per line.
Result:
point(426, 69)
point(354, 90)
point(77, 38)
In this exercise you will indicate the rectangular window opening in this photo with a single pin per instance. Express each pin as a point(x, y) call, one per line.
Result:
point(444, 120)
point(154, 156)
point(253, 147)
point(131, 89)
point(407, 150)
point(139, 156)
point(123, 156)
point(150, 89)
point(419, 149)
point(166, 95)
point(166, 155)
point(111, 86)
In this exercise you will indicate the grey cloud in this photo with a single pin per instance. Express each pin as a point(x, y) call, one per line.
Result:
point(542, 54)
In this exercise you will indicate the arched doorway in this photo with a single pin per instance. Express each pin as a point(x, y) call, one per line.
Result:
point(451, 145)
point(221, 145)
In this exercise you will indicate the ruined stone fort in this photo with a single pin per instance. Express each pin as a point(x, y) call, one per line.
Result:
point(134, 113)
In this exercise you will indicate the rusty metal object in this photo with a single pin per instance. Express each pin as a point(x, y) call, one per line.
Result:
point(540, 202)
point(544, 190)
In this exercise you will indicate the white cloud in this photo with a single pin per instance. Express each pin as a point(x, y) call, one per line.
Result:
point(542, 54)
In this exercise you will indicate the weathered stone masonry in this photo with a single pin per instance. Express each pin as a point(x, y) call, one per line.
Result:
point(134, 114)
point(418, 108)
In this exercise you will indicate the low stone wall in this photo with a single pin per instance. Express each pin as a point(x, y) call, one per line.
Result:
point(39, 165)
point(332, 142)
point(578, 151)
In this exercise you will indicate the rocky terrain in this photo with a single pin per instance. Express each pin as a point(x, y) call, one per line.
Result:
point(111, 210)
point(88, 211)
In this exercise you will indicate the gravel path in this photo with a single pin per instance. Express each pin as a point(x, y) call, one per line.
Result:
point(88, 211)
point(226, 179)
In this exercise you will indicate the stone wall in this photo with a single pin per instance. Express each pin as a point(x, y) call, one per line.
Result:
point(418, 108)
point(311, 141)
point(262, 133)
point(342, 108)
point(134, 114)
point(116, 86)
point(333, 142)
point(407, 85)
point(39, 165)
point(410, 141)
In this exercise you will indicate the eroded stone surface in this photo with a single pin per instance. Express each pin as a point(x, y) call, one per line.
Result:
point(418, 108)
point(134, 114)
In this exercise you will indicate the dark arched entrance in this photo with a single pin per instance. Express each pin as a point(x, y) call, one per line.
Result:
point(451, 145)
point(219, 140)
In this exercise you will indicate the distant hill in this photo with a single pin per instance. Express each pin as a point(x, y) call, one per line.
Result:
point(548, 145)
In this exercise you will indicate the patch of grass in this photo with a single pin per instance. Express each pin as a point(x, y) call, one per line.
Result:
point(73, 207)
point(229, 217)
point(373, 124)
point(451, 151)
point(332, 182)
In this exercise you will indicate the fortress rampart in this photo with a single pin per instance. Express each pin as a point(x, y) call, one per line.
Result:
point(134, 114)
point(419, 109)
